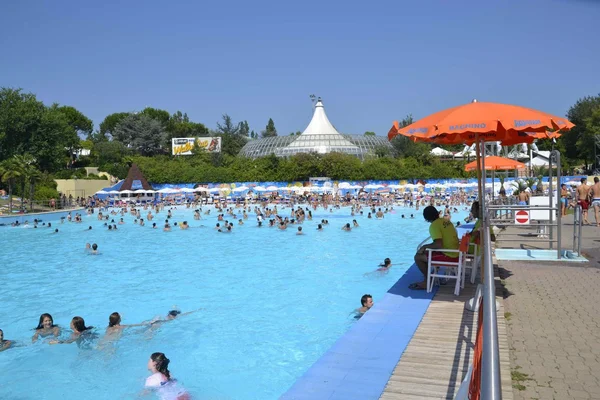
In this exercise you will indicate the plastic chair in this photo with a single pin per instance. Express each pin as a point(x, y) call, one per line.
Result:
point(451, 269)
point(472, 261)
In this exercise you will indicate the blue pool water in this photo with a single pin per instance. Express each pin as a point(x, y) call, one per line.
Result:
point(271, 302)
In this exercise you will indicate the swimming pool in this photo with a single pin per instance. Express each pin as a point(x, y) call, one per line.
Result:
point(272, 302)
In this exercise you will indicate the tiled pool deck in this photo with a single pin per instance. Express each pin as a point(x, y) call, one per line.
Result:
point(359, 365)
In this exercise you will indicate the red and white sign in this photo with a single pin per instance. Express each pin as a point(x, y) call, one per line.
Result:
point(522, 217)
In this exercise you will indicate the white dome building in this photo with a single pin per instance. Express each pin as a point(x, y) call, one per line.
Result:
point(320, 136)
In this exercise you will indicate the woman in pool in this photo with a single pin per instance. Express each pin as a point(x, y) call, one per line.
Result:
point(4, 344)
point(387, 263)
point(166, 387)
point(46, 327)
point(80, 332)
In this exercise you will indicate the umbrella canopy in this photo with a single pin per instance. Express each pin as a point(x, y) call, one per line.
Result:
point(240, 189)
point(126, 191)
point(113, 192)
point(139, 191)
point(272, 188)
point(201, 189)
point(495, 163)
point(101, 192)
point(490, 122)
point(187, 190)
point(166, 190)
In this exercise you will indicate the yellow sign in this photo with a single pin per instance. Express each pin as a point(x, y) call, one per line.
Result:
point(185, 146)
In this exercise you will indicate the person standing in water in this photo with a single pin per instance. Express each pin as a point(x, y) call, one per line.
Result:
point(45, 328)
point(4, 344)
point(166, 386)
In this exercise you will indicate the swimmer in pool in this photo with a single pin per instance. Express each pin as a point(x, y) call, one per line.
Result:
point(94, 249)
point(88, 248)
point(346, 228)
point(299, 231)
point(4, 344)
point(161, 381)
point(355, 223)
point(115, 328)
point(387, 263)
point(367, 302)
point(80, 332)
point(45, 328)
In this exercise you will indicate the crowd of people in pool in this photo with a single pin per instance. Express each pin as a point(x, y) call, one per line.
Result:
point(266, 215)
point(85, 336)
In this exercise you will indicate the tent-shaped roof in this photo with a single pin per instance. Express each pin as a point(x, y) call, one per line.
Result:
point(135, 180)
point(438, 151)
point(320, 136)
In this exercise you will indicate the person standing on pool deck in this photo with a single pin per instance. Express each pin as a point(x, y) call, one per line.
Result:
point(444, 236)
point(166, 387)
point(583, 193)
point(45, 327)
point(595, 196)
point(523, 197)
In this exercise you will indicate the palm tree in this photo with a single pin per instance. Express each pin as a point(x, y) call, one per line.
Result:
point(32, 176)
point(10, 171)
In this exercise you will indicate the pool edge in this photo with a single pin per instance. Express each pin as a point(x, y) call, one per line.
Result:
point(360, 363)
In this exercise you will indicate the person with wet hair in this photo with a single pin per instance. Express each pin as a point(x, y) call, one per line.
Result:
point(161, 380)
point(114, 325)
point(80, 332)
point(4, 344)
point(45, 328)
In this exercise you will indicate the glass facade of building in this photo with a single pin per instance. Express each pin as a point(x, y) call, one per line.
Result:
point(283, 146)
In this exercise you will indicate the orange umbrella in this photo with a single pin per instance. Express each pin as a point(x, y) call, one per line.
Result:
point(495, 163)
point(489, 122)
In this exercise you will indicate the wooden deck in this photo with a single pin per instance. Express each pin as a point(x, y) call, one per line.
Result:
point(438, 356)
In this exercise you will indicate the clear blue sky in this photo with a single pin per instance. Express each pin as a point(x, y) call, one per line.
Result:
point(372, 62)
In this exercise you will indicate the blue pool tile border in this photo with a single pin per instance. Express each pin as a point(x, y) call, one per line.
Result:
point(360, 363)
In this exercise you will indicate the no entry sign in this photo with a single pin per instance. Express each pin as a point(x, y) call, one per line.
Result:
point(522, 217)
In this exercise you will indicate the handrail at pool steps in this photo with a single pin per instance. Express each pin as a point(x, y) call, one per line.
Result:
point(577, 223)
point(542, 226)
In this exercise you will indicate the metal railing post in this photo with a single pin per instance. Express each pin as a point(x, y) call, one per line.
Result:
point(551, 196)
point(558, 204)
point(490, 361)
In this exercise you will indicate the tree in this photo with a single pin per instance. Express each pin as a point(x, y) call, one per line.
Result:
point(108, 126)
point(10, 171)
point(227, 127)
point(270, 130)
point(244, 128)
point(141, 133)
point(579, 142)
point(232, 141)
point(253, 135)
point(20, 118)
point(369, 133)
point(82, 125)
point(592, 124)
point(161, 116)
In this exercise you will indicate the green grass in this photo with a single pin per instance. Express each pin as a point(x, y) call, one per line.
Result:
point(518, 378)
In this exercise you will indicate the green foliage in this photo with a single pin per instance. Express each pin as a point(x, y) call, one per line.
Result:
point(300, 167)
point(141, 133)
point(77, 121)
point(579, 142)
point(45, 193)
point(108, 126)
point(369, 133)
point(232, 138)
point(270, 130)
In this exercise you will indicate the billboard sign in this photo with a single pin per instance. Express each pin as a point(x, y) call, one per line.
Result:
point(184, 146)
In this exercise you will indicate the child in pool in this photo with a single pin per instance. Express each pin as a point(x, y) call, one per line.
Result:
point(4, 344)
point(166, 387)
point(45, 328)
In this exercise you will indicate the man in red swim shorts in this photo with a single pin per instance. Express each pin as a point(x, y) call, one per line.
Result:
point(583, 194)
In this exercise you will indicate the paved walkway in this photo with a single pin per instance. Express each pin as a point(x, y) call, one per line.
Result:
point(552, 311)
